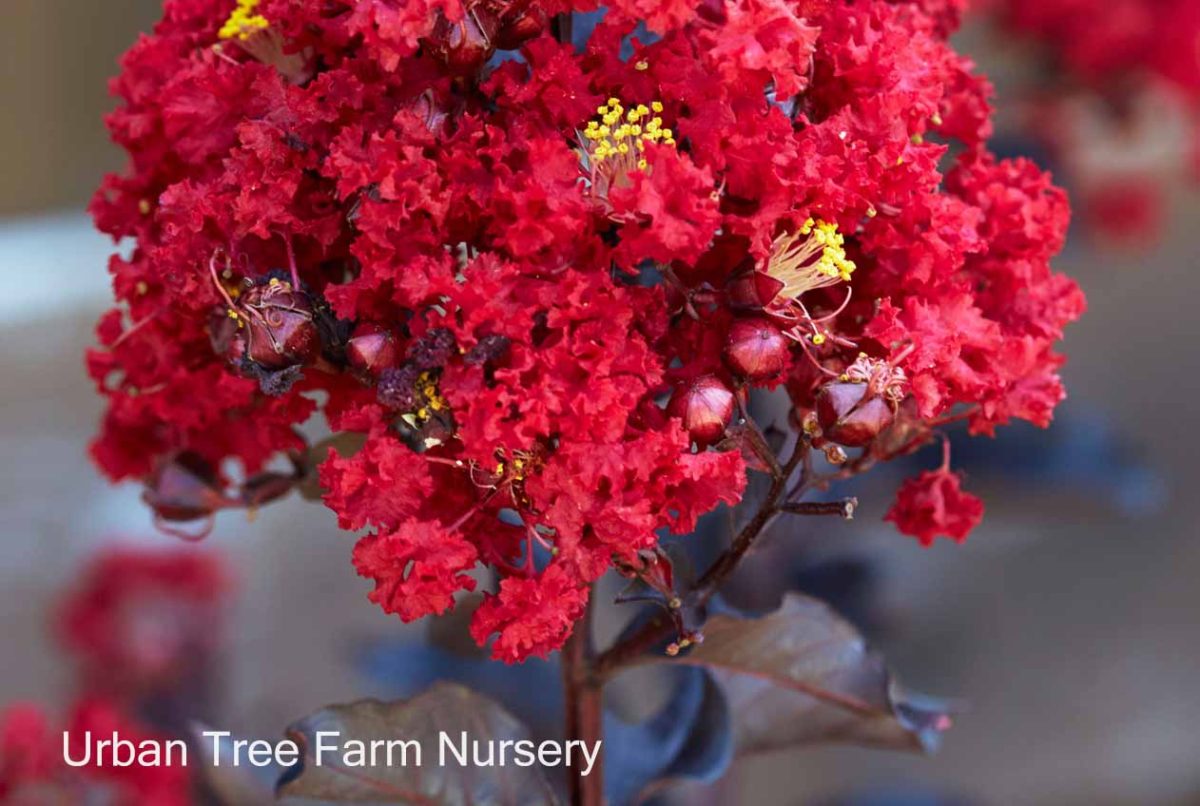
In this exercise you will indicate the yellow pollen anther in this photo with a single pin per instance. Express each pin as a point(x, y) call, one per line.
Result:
point(244, 22)
point(431, 400)
point(614, 142)
point(642, 66)
point(812, 257)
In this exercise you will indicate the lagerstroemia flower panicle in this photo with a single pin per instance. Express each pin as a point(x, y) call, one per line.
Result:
point(498, 271)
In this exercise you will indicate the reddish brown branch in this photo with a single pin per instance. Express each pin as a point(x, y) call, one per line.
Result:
point(584, 707)
point(660, 628)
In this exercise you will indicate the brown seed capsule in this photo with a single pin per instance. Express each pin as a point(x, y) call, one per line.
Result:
point(849, 416)
point(280, 331)
point(371, 349)
point(755, 349)
point(705, 406)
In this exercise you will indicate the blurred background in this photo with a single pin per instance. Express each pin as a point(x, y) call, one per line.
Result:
point(1070, 622)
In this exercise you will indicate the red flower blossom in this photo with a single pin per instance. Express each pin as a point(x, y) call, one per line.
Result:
point(27, 750)
point(934, 505)
point(33, 769)
point(551, 246)
point(138, 620)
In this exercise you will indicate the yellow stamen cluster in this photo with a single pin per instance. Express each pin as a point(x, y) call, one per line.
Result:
point(434, 402)
point(620, 135)
point(812, 257)
point(244, 22)
point(516, 468)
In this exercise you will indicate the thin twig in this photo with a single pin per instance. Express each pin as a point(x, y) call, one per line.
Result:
point(661, 627)
point(843, 508)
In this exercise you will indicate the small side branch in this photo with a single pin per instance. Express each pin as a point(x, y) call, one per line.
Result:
point(660, 628)
point(843, 508)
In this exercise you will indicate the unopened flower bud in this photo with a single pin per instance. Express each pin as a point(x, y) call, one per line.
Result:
point(835, 454)
point(515, 30)
point(850, 416)
point(752, 290)
point(184, 488)
point(371, 349)
point(755, 349)
point(705, 406)
point(464, 46)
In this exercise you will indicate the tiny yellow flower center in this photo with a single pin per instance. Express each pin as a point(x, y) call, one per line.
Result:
point(244, 22)
point(616, 132)
point(614, 142)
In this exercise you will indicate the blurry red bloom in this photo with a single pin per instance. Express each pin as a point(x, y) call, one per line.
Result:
point(33, 769)
point(28, 752)
point(934, 505)
point(140, 619)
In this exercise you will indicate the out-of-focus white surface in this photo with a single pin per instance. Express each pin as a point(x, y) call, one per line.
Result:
point(51, 265)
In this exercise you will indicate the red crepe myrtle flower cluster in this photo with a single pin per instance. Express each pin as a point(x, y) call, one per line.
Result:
point(1133, 39)
point(498, 268)
point(1119, 101)
point(139, 620)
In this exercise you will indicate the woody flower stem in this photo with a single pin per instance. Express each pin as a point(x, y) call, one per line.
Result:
point(658, 629)
point(584, 710)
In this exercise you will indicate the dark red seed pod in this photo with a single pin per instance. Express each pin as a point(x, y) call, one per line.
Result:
point(848, 416)
point(372, 349)
point(752, 290)
point(705, 406)
point(279, 325)
point(184, 488)
point(755, 349)
point(464, 46)
point(518, 29)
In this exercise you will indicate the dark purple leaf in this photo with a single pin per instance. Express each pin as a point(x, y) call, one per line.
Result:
point(689, 737)
point(803, 674)
point(445, 708)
